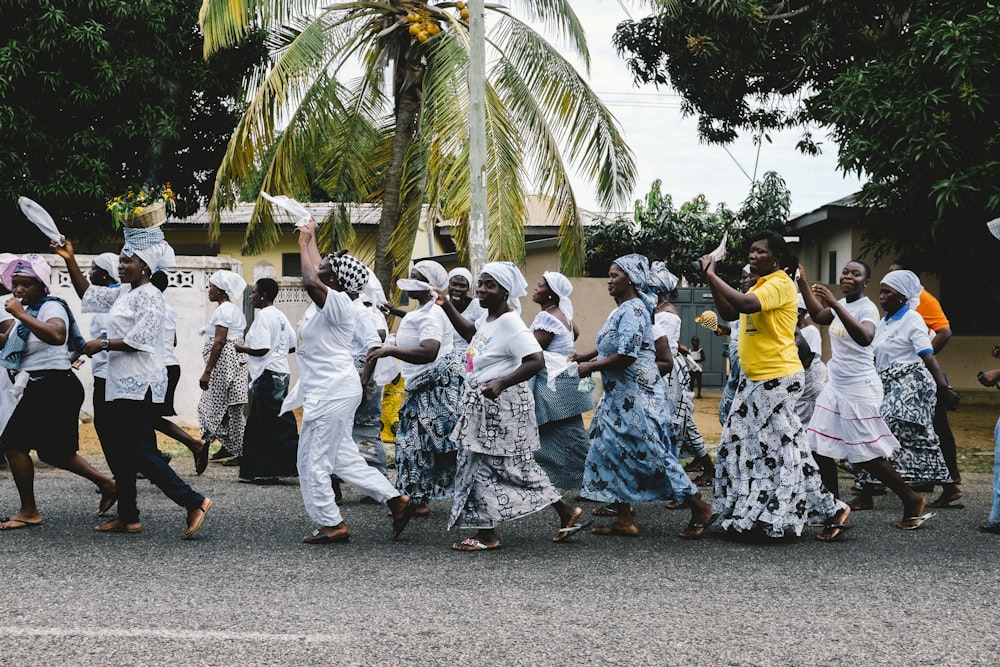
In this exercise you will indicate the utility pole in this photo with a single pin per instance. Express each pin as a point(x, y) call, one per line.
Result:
point(478, 225)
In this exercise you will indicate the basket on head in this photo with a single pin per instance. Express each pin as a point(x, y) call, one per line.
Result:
point(153, 215)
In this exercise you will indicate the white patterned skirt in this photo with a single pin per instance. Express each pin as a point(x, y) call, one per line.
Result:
point(765, 476)
point(847, 424)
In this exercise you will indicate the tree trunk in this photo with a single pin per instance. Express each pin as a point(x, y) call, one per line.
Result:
point(409, 77)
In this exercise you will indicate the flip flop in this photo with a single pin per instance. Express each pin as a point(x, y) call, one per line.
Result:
point(198, 519)
point(472, 544)
point(21, 523)
point(992, 528)
point(319, 537)
point(117, 526)
point(573, 527)
point(918, 521)
point(604, 511)
point(828, 528)
point(948, 503)
point(699, 526)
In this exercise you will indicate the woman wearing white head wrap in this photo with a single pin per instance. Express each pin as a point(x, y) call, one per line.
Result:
point(497, 479)
point(510, 278)
point(631, 458)
point(136, 380)
point(667, 324)
point(329, 391)
point(425, 452)
point(911, 382)
point(459, 283)
point(905, 283)
point(558, 402)
point(225, 381)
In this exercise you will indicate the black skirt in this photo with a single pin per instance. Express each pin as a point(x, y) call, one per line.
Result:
point(47, 418)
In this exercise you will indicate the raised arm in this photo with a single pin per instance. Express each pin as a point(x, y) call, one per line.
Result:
point(730, 302)
point(310, 259)
point(818, 313)
point(80, 282)
point(465, 327)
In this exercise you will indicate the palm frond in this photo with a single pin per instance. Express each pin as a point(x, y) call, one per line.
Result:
point(587, 131)
point(557, 15)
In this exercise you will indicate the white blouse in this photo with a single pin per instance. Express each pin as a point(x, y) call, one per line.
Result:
point(136, 316)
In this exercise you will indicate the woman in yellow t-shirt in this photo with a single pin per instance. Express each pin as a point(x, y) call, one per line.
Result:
point(766, 481)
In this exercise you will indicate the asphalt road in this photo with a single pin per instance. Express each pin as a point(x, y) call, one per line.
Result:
point(248, 592)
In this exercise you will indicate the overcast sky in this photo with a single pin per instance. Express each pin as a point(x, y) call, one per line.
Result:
point(666, 145)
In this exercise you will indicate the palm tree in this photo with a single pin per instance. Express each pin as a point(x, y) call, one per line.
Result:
point(362, 141)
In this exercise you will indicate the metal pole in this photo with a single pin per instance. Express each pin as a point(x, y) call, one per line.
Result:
point(478, 225)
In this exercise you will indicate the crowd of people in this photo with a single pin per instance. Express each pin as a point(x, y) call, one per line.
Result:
point(493, 417)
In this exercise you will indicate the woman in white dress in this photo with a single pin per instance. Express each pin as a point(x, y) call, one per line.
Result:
point(225, 384)
point(846, 423)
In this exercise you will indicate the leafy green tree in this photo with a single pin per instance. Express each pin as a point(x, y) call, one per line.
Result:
point(400, 139)
point(908, 88)
point(99, 94)
point(678, 235)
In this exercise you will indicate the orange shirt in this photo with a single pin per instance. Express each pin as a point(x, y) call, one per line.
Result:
point(930, 310)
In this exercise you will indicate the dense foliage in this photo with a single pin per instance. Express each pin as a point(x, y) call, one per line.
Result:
point(908, 88)
point(99, 94)
point(678, 235)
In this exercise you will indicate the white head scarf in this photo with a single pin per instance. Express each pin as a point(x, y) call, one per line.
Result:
point(906, 283)
point(373, 292)
point(461, 271)
point(510, 278)
point(109, 262)
point(230, 283)
point(562, 288)
point(436, 274)
point(994, 227)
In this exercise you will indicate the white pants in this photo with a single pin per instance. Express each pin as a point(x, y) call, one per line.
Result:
point(326, 448)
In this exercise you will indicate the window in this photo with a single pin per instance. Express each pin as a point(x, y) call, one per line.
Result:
point(832, 277)
point(291, 265)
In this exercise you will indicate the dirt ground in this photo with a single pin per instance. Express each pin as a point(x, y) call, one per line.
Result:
point(972, 425)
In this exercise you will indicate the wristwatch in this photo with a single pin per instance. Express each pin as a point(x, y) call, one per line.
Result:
point(104, 344)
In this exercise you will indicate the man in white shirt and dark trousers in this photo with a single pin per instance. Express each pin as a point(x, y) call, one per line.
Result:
point(270, 442)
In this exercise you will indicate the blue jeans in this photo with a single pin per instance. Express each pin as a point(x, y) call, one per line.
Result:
point(995, 510)
point(133, 449)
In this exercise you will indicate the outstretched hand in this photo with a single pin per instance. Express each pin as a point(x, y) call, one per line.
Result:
point(65, 250)
point(823, 292)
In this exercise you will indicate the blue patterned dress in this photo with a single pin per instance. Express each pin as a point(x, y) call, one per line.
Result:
point(630, 458)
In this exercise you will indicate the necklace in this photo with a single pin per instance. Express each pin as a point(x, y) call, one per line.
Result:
point(548, 308)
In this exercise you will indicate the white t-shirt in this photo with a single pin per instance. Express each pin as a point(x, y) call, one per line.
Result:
point(901, 339)
point(668, 324)
point(169, 334)
point(39, 355)
point(365, 334)
point(472, 313)
point(814, 340)
point(137, 317)
point(326, 367)
point(228, 315)
point(272, 331)
point(850, 362)
point(429, 322)
point(498, 347)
